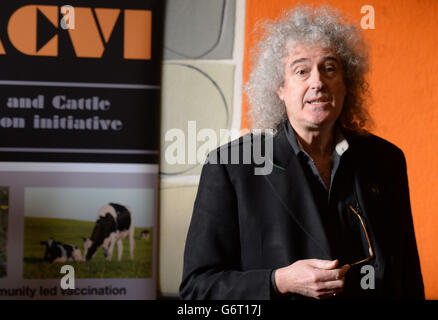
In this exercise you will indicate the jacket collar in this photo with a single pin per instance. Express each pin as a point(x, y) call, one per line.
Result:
point(341, 142)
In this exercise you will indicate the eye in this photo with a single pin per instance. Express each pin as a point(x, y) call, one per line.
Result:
point(330, 69)
point(301, 72)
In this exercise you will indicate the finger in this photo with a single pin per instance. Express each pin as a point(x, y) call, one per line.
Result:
point(343, 270)
point(330, 285)
point(323, 264)
point(327, 275)
point(335, 274)
point(328, 294)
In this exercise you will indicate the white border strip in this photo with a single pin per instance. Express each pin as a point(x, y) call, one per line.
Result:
point(66, 150)
point(78, 84)
point(189, 180)
point(77, 167)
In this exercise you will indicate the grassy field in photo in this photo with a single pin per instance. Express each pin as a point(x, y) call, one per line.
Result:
point(71, 232)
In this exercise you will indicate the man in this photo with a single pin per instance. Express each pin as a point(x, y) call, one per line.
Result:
point(337, 200)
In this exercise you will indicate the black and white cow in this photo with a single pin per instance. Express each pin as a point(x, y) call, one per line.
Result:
point(59, 252)
point(113, 224)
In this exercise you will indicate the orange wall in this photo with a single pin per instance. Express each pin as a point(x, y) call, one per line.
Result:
point(404, 85)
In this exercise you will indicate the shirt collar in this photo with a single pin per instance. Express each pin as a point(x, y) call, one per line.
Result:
point(341, 146)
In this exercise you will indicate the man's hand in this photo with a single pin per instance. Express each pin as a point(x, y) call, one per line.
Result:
point(312, 278)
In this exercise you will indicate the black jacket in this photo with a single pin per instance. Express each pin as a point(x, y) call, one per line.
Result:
point(246, 225)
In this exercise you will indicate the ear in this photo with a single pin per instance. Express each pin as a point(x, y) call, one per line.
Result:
point(280, 92)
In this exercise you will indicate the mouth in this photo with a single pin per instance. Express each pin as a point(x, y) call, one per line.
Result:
point(318, 101)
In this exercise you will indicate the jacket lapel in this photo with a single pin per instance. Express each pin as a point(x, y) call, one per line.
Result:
point(289, 184)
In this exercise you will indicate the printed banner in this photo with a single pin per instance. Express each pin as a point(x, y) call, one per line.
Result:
point(79, 120)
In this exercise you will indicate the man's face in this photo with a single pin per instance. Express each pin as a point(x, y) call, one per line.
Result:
point(313, 89)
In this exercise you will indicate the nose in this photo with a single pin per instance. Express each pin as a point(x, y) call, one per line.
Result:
point(316, 80)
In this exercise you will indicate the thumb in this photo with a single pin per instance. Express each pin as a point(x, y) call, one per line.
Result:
point(324, 264)
point(332, 264)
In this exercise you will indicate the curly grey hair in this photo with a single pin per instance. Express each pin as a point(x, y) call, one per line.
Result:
point(305, 25)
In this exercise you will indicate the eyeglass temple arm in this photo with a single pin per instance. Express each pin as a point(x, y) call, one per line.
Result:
point(366, 233)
